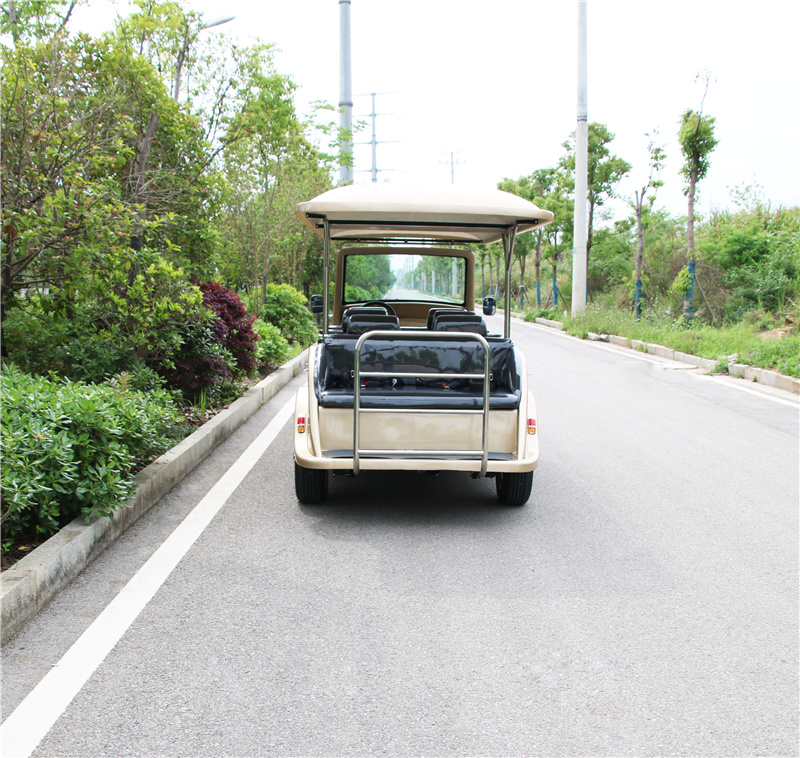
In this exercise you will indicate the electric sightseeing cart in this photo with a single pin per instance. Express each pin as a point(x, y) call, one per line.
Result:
point(406, 376)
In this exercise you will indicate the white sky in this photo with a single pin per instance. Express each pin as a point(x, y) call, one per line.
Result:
point(495, 82)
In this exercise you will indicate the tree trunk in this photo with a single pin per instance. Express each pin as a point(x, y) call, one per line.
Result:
point(687, 300)
point(137, 188)
point(637, 300)
point(538, 266)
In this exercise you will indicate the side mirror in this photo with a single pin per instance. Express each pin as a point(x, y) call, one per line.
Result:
point(489, 306)
point(316, 304)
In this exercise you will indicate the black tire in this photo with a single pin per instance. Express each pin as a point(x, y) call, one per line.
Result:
point(514, 489)
point(310, 484)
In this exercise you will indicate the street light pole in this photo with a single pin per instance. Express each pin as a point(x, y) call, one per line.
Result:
point(345, 93)
point(579, 261)
point(187, 42)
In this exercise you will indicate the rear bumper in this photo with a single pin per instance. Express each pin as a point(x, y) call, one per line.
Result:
point(441, 440)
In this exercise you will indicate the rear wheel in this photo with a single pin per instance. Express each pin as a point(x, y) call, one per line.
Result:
point(514, 489)
point(310, 484)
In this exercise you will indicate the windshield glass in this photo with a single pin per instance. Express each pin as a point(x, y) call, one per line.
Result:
point(402, 276)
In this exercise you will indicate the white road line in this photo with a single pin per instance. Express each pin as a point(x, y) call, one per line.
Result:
point(742, 386)
point(33, 718)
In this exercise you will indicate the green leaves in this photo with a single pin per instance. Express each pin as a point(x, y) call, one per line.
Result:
point(696, 137)
point(70, 448)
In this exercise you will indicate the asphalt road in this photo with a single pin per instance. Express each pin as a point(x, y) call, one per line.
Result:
point(643, 603)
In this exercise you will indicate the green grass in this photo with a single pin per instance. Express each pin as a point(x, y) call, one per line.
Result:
point(779, 353)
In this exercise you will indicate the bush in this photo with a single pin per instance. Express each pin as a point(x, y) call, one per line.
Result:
point(70, 448)
point(41, 343)
point(285, 307)
point(271, 349)
point(233, 328)
point(146, 313)
point(215, 352)
point(202, 365)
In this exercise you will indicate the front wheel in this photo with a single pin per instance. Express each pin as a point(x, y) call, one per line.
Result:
point(514, 489)
point(310, 484)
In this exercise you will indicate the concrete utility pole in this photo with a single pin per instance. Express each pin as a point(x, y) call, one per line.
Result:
point(579, 260)
point(345, 91)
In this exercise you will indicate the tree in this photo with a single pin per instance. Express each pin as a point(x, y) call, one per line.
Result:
point(696, 137)
point(604, 173)
point(657, 156)
point(533, 188)
point(30, 20)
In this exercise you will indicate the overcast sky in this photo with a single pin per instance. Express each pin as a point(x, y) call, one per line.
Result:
point(494, 83)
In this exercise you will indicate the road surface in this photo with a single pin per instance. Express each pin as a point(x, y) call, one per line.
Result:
point(643, 603)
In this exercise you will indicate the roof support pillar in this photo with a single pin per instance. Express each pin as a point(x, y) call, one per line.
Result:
point(509, 237)
point(326, 268)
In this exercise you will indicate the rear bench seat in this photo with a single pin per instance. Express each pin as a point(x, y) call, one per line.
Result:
point(333, 376)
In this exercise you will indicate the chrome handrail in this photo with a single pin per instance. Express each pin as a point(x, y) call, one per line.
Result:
point(424, 336)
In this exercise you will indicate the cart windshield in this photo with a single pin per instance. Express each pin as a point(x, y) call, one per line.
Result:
point(402, 276)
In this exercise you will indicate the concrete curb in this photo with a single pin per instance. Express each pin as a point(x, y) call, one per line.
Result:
point(32, 582)
point(761, 375)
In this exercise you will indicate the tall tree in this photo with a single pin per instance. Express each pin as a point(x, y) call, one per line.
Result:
point(697, 140)
point(77, 114)
point(657, 156)
point(605, 171)
point(533, 188)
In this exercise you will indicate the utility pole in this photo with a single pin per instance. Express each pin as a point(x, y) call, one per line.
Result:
point(345, 92)
point(453, 163)
point(579, 261)
point(374, 141)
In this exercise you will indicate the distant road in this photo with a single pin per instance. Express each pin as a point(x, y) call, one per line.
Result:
point(643, 603)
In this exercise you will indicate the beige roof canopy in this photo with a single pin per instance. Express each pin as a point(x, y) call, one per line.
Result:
point(386, 211)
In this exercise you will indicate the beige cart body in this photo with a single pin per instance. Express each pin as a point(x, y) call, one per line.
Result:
point(413, 380)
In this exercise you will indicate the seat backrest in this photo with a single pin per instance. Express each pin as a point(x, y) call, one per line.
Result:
point(366, 322)
point(362, 310)
point(434, 312)
point(466, 323)
point(457, 317)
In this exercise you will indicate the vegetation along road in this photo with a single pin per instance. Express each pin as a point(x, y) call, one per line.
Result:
point(644, 602)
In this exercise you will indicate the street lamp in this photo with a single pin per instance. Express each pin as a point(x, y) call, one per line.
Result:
point(187, 41)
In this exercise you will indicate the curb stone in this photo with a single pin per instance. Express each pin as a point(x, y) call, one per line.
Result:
point(32, 582)
point(764, 376)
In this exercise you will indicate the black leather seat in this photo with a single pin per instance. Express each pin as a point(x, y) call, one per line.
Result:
point(460, 322)
point(366, 322)
point(434, 312)
point(361, 310)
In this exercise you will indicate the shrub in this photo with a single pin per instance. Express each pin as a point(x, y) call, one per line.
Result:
point(285, 307)
point(233, 328)
point(147, 313)
point(40, 343)
point(202, 365)
point(71, 448)
point(271, 349)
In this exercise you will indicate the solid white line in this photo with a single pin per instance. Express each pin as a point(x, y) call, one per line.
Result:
point(742, 386)
point(33, 718)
